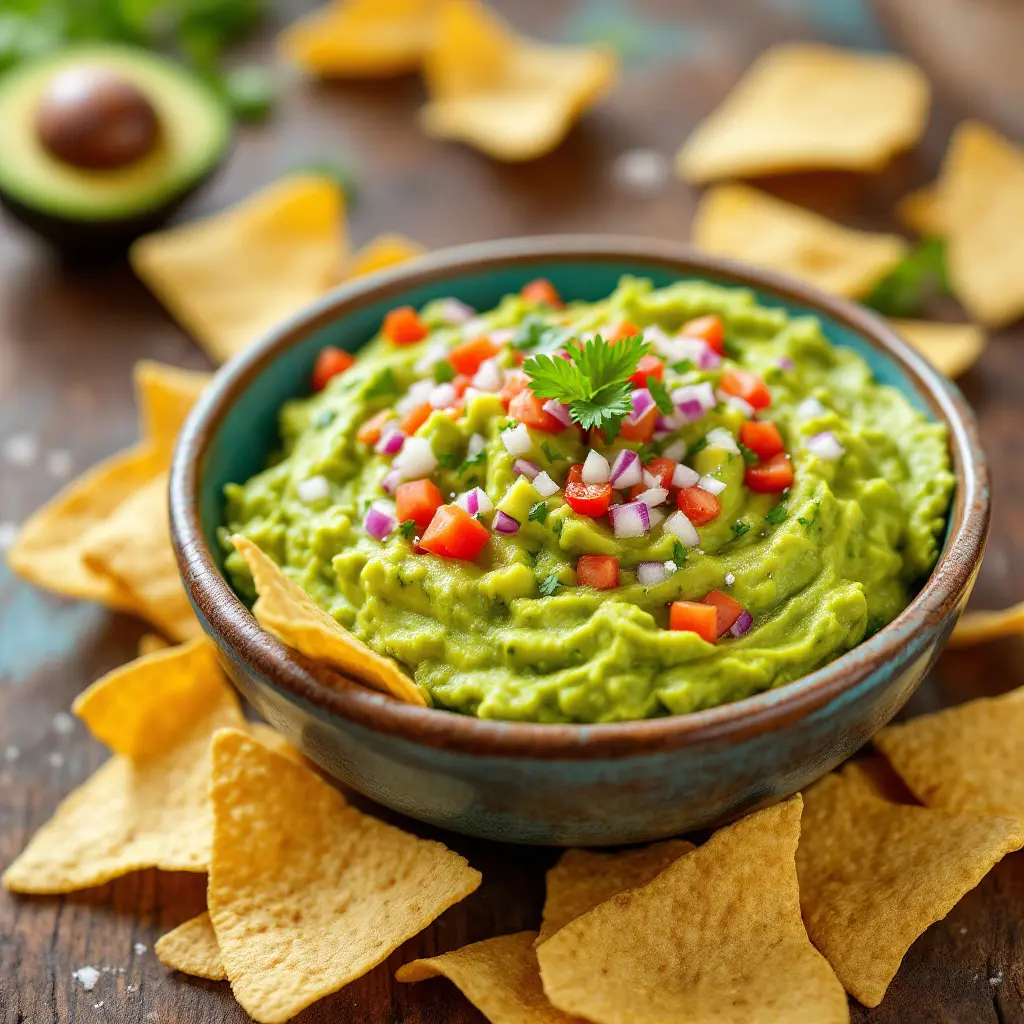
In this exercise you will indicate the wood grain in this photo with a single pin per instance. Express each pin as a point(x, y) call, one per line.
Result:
point(67, 343)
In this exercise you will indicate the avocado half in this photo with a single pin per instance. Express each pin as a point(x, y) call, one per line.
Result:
point(88, 210)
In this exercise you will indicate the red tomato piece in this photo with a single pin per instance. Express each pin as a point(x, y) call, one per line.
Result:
point(693, 617)
point(460, 383)
point(369, 432)
point(467, 357)
point(416, 418)
point(417, 500)
point(403, 326)
point(710, 328)
point(587, 499)
point(771, 476)
point(598, 571)
point(542, 292)
point(454, 533)
point(529, 409)
point(762, 437)
point(643, 429)
point(330, 363)
point(649, 366)
point(515, 381)
point(699, 506)
point(747, 386)
point(727, 611)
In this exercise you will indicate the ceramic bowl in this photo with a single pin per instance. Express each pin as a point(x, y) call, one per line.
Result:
point(559, 784)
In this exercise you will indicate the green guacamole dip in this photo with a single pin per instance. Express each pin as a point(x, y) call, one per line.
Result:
point(509, 633)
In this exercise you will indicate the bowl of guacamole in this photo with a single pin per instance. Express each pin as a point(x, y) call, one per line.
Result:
point(630, 521)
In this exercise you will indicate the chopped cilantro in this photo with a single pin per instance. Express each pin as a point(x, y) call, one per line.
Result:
point(739, 528)
point(549, 586)
point(448, 460)
point(325, 419)
point(473, 460)
point(661, 397)
point(699, 446)
point(538, 513)
point(679, 553)
point(443, 371)
point(777, 514)
point(407, 529)
point(646, 452)
point(808, 523)
point(556, 526)
point(684, 366)
point(384, 384)
point(749, 455)
point(550, 454)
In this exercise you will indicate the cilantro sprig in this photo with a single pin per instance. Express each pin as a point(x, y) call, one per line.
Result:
point(593, 381)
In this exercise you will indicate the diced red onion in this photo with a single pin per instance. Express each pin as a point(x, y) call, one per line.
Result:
point(488, 377)
point(684, 476)
point(742, 624)
point(676, 451)
point(650, 574)
point(391, 442)
point(517, 440)
point(313, 489)
point(810, 408)
point(785, 363)
point(524, 467)
point(475, 502)
point(659, 339)
point(721, 438)
point(679, 526)
point(378, 522)
point(626, 469)
point(477, 443)
point(656, 516)
point(708, 359)
point(711, 484)
point(443, 396)
point(417, 394)
point(391, 481)
point(826, 446)
point(630, 520)
point(558, 410)
point(642, 404)
point(504, 523)
point(693, 400)
point(416, 459)
point(653, 496)
point(595, 468)
point(741, 405)
point(454, 311)
point(544, 485)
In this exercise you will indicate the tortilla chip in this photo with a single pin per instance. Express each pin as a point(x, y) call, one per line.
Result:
point(584, 878)
point(874, 874)
point(273, 740)
point(234, 276)
point(361, 38)
point(980, 627)
point(804, 106)
point(383, 251)
point(500, 977)
point(192, 949)
point(286, 610)
point(512, 98)
point(964, 758)
point(165, 395)
point(150, 643)
point(149, 810)
point(306, 893)
point(921, 212)
point(951, 348)
point(693, 943)
point(744, 224)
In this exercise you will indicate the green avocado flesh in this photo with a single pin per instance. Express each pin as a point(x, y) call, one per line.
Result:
point(819, 567)
point(195, 131)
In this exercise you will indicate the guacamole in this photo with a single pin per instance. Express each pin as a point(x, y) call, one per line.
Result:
point(600, 511)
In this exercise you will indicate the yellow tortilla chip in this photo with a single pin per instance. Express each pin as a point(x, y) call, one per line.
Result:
point(804, 106)
point(980, 627)
point(150, 643)
point(306, 893)
point(693, 944)
point(383, 251)
point(498, 976)
point(921, 211)
point(361, 38)
point(149, 810)
point(273, 740)
point(286, 610)
point(232, 277)
point(165, 396)
point(745, 224)
point(964, 758)
point(192, 949)
point(584, 878)
point(874, 874)
point(512, 98)
point(951, 348)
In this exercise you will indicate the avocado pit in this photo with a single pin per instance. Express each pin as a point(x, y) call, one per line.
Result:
point(94, 119)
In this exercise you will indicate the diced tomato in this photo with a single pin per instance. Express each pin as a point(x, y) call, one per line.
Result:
point(747, 386)
point(416, 418)
point(460, 383)
point(403, 326)
point(762, 437)
point(626, 329)
point(662, 469)
point(587, 499)
point(770, 477)
point(515, 382)
point(598, 571)
point(693, 617)
point(454, 533)
point(643, 429)
point(330, 363)
point(369, 432)
point(529, 409)
point(649, 366)
point(542, 292)
point(710, 328)
point(467, 357)
point(417, 500)
point(699, 506)
point(727, 611)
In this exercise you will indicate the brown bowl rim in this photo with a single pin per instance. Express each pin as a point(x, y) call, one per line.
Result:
point(235, 627)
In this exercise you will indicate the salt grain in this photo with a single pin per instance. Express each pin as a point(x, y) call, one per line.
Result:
point(140, 948)
point(12, 753)
point(641, 170)
point(63, 723)
point(56, 759)
point(86, 977)
point(20, 450)
point(58, 463)
point(8, 532)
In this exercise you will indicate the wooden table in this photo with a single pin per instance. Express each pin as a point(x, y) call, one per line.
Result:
point(67, 344)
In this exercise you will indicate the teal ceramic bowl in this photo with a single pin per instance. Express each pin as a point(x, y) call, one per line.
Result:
point(559, 784)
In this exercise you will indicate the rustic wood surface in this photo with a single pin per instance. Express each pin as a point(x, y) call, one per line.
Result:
point(68, 341)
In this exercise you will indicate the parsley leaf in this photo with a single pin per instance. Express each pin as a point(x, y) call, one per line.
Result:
point(538, 513)
point(661, 397)
point(443, 371)
point(679, 553)
point(549, 586)
point(919, 277)
point(778, 514)
point(550, 454)
point(384, 384)
point(749, 456)
point(683, 366)
point(739, 528)
point(407, 529)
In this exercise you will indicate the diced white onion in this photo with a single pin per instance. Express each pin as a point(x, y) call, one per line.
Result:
point(544, 485)
point(477, 443)
point(711, 484)
point(454, 311)
point(313, 489)
point(501, 335)
point(721, 438)
point(630, 520)
point(679, 526)
point(596, 469)
point(417, 394)
point(655, 516)
point(676, 451)
point(730, 579)
point(433, 355)
point(826, 446)
point(488, 377)
point(810, 408)
point(684, 476)
point(650, 574)
point(650, 480)
point(517, 440)
point(442, 396)
point(741, 405)
point(653, 496)
point(416, 459)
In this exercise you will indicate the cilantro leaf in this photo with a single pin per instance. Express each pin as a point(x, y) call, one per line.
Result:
point(778, 514)
point(549, 586)
point(550, 454)
point(538, 513)
point(473, 460)
point(749, 456)
point(407, 529)
point(556, 526)
point(383, 384)
point(679, 553)
point(739, 528)
point(917, 278)
point(661, 397)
